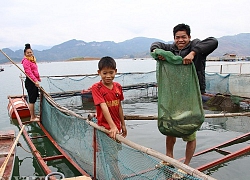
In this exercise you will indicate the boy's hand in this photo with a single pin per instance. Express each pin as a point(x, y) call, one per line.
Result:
point(124, 131)
point(112, 132)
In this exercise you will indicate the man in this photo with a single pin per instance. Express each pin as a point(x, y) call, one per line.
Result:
point(194, 51)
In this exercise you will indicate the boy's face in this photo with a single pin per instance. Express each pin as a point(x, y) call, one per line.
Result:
point(181, 39)
point(107, 75)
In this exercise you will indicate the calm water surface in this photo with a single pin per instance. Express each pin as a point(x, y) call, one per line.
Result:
point(213, 132)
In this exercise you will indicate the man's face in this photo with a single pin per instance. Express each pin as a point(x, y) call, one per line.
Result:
point(181, 39)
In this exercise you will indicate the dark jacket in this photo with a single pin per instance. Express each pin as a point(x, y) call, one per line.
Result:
point(201, 48)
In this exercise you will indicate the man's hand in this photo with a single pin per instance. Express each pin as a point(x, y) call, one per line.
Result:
point(161, 58)
point(189, 58)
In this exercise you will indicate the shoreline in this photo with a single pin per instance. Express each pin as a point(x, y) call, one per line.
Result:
point(136, 59)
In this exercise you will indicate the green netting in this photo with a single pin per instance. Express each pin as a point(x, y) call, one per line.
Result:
point(113, 160)
point(180, 110)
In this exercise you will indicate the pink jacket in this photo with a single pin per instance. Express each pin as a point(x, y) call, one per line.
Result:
point(31, 69)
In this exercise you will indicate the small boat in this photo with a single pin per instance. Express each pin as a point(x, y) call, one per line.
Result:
point(20, 105)
point(42, 160)
point(7, 156)
point(87, 95)
point(1, 69)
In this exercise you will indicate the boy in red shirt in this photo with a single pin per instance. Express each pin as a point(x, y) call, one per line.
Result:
point(107, 97)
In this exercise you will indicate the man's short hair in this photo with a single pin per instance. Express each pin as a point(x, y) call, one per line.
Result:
point(107, 62)
point(182, 27)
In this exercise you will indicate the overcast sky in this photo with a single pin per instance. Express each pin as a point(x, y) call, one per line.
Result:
point(51, 22)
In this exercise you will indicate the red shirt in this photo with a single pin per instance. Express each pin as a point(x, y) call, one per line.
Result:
point(112, 97)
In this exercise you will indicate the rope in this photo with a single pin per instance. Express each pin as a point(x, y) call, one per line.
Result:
point(19, 144)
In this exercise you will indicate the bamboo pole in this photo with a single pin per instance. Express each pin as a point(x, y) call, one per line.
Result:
point(153, 117)
point(2, 169)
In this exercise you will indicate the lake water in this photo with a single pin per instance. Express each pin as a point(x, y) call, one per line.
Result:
point(213, 132)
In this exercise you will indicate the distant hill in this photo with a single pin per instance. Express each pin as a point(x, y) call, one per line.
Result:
point(238, 44)
point(133, 48)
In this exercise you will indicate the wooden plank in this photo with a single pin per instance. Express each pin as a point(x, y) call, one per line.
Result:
point(12, 149)
point(78, 178)
point(51, 158)
point(153, 117)
point(3, 154)
point(7, 158)
point(224, 159)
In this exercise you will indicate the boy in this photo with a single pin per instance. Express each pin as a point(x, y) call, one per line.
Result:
point(107, 97)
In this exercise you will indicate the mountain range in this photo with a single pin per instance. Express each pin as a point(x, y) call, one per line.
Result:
point(134, 48)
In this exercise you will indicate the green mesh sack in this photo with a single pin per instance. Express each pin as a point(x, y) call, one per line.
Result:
point(180, 110)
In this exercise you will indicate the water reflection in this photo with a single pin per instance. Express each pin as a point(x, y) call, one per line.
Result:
point(46, 149)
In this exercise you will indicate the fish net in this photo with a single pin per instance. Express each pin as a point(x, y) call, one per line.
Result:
point(180, 111)
point(135, 85)
point(97, 154)
point(140, 84)
point(75, 134)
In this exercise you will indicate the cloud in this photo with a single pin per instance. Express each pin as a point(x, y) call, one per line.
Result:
point(49, 23)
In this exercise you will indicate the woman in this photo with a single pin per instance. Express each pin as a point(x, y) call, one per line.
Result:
point(32, 81)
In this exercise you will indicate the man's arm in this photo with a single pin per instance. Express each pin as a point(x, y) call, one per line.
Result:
point(204, 47)
point(189, 58)
point(160, 45)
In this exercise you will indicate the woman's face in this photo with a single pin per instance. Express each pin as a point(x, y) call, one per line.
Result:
point(28, 53)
